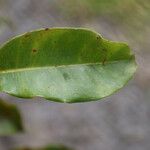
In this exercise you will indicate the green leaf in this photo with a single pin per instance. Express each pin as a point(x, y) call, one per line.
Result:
point(50, 147)
point(10, 120)
point(65, 65)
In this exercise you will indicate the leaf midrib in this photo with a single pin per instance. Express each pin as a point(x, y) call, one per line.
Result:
point(61, 66)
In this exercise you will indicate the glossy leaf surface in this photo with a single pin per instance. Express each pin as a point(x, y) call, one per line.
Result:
point(10, 120)
point(65, 65)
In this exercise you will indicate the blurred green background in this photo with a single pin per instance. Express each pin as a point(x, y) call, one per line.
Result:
point(120, 122)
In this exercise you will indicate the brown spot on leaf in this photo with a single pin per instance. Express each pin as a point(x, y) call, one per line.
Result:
point(34, 50)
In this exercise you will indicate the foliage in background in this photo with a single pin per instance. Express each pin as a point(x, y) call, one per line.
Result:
point(49, 147)
point(132, 16)
point(116, 9)
point(10, 120)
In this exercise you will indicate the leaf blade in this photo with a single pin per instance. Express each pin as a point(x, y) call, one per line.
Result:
point(75, 65)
